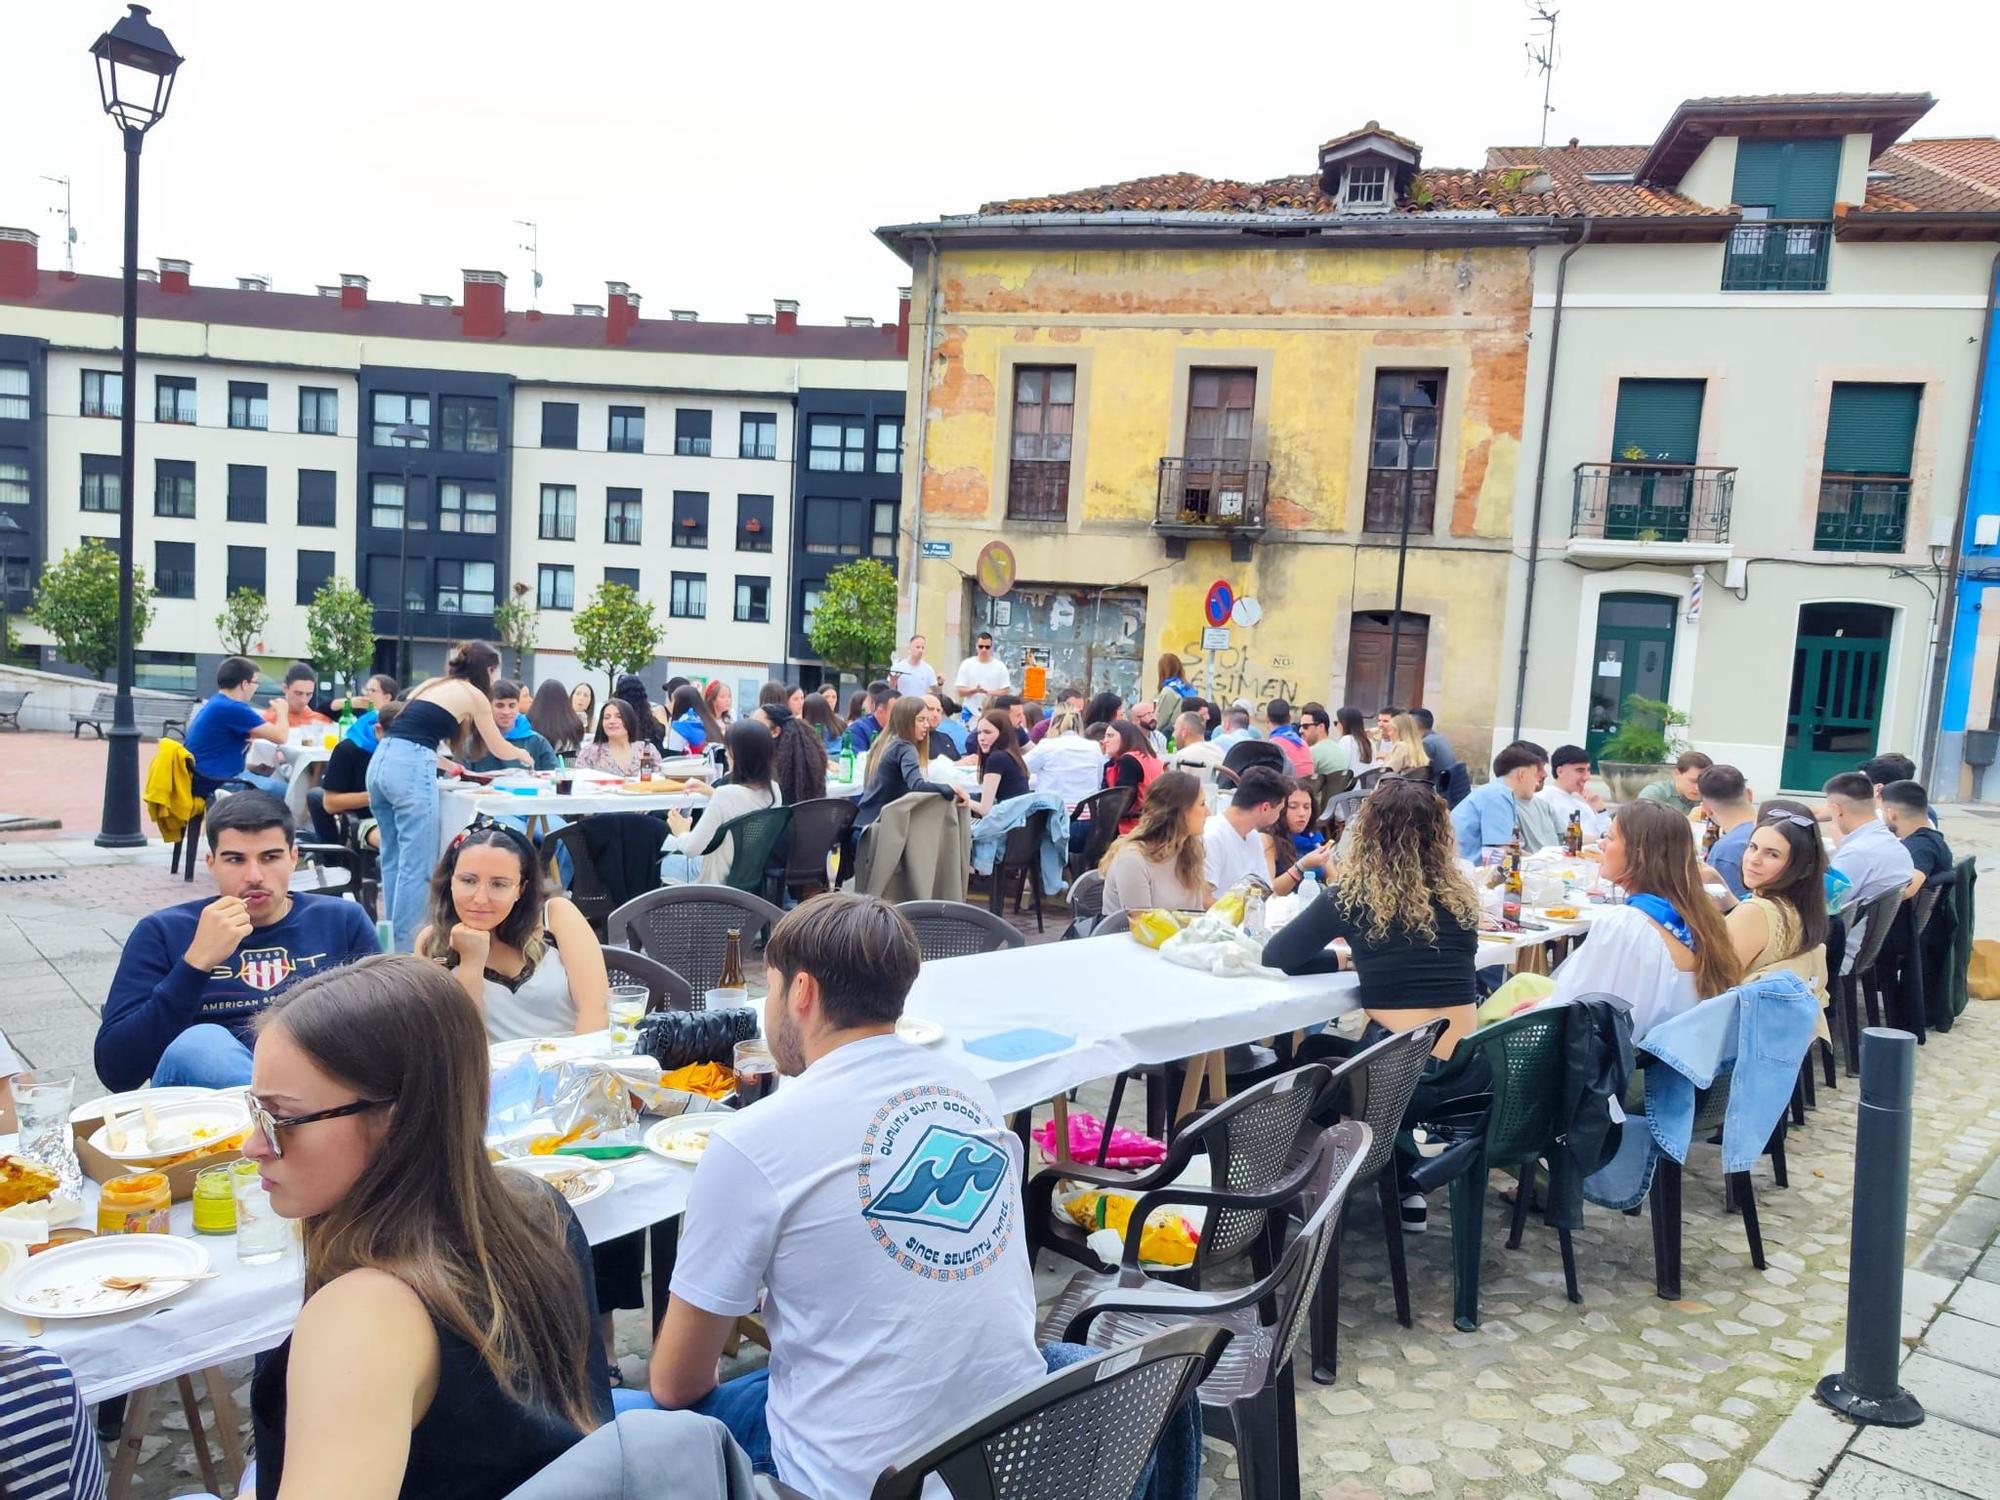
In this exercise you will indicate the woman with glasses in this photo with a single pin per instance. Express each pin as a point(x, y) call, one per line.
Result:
point(445, 1347)
point(1783, 922)
point(528, 961)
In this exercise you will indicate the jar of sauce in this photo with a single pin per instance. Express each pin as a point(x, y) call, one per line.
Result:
point(214, 1202)
point(136, 1203)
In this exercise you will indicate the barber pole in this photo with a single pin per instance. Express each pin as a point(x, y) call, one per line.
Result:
point(1694, 595)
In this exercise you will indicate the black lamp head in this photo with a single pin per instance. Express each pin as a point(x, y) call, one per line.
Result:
point(135, 70)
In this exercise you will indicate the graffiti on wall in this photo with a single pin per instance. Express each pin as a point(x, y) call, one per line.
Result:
point(1239, 672)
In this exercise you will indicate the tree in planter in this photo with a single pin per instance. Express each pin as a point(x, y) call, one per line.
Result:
point(615, 632)
point(854, 627)
point(241, 623)
point(340, 630)
point(77, 603)
point(516, 623)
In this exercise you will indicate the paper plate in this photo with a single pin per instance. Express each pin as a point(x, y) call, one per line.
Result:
point(66, 1282)
point(683, 1138)
point(552, 1049)
point(207, 1120)
point(593, 1178)
point(919, 1032)
point(100, 1108)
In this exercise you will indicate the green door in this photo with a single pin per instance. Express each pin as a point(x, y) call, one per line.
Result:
point(1653, 443)
point(1634, 653)
point(1834, 716)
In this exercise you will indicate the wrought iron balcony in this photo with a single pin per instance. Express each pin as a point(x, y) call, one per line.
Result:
point(1643, 503)
point(1862, 513)
point(1212, 498)
point(1038, 489)
point(1776, 255)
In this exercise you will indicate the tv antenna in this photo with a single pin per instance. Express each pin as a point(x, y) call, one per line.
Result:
point(1544, 57)
point(69, 224)
point(533, 246)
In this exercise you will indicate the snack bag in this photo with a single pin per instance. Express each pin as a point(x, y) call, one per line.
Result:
point(1230, 905)
point(1154, 927)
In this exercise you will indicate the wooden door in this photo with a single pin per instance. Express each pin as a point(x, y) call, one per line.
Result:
point(1833, 720)
point(1368, 661)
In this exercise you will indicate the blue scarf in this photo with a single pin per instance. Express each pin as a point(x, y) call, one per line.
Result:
point(1308, 841)
point(362, 731)
point(693, 733)
point(521, 730)
point(1663, 912)
point(1178, 685)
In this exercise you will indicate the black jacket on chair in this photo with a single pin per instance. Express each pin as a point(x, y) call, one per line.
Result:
point(1597, 1061)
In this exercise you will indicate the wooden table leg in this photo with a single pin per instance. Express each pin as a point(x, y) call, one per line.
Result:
point(1059, 1108)
point(1218, 1077)
point(125, 1462)
point(1197, 1070)
point(227, 1423)
point(191, 1405)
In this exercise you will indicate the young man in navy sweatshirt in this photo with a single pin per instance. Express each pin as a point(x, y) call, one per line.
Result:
point(193, 978)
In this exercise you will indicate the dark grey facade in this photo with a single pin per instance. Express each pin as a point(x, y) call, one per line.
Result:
point(24, 442)
point(841, 511)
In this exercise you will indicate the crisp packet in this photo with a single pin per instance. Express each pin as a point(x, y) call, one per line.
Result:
point(533, 1110)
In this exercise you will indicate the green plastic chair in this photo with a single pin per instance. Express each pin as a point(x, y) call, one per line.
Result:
point(756, 836)
point(1525, 1055)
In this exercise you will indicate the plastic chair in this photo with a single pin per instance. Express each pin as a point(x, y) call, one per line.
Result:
point(753, 838)
point(818, 828)
point(1249, 1398)
point(1100, 812)
point(1847, 990)
point(1021, 859)
point(951, 929)
point(1112, 924)
point(1525, 1054)
point(588, 887)
point(665, 990)
point(686, 928)
point(1664, 1198)
point(1086, 904)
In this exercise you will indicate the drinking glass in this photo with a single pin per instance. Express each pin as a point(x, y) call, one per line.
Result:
point(42, 1099)
point(261, 1236)
point(756, 1072)
point(628, 1007)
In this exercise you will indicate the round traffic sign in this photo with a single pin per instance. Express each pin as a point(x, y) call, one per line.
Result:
point(1247, 612)
point(1221, 600)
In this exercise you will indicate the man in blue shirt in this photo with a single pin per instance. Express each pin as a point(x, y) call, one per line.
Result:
point(861, 733)
point(1725, 801)
point(515, 728)
point(193, 979)
point(1489, 819)
point(223, 728)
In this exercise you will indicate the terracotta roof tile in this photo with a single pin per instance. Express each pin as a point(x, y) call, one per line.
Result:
point(1374, 127)
point(1959, 175)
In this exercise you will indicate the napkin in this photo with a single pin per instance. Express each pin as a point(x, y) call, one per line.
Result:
point(1020, 1044)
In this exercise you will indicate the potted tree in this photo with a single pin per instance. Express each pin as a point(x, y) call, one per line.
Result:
point(1643, 749)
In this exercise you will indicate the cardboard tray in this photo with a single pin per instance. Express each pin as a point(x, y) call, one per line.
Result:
point(180, 1179)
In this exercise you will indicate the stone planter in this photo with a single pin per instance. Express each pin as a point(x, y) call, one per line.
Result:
point(1626, 779)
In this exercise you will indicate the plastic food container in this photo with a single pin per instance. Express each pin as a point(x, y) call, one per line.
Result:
point(136, 1203)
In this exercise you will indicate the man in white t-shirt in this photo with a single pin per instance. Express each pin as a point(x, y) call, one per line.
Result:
point(913, 676)
point(1236, 838)
point(981, 675)
point(876, 1198)
point(1568, 791)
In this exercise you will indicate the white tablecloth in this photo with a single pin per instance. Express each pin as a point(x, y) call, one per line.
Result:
point(456, 808)
point(300, 759)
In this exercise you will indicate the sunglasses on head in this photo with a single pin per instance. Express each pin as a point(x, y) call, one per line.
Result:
point(1797, 820)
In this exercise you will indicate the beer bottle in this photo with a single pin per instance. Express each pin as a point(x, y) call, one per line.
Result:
point(732, 961)
point(1573, 835)
point(1708, 837)
point(1510, 902)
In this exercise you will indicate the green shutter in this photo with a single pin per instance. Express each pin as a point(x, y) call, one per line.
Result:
point(1662, 417)
point(1793, 179)
point(1871, 429)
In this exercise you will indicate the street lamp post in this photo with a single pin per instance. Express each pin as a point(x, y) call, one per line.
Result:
point(407, 435)
point(1418, 423)
point(9, 529)
point(135, 76)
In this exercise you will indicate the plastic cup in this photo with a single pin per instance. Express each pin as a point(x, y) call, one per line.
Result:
point(261, 1236)
point(756, 1072)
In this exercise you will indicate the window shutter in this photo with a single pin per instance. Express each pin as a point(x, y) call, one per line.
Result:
point(1793, 179)
point(1662, 417)
point(1871, 429)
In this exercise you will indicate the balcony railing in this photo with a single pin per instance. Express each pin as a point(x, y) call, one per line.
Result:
point(691, 447)
point(313, 426)
point(1383, 508)
point(255, 421)
point(1038, 489)
point(1625, 502)
point(174, 583)
point(236, 581)
point(1862, 513)
point(758, 450)
point(1776, 255)
point(316, 512)
point(1212, 494)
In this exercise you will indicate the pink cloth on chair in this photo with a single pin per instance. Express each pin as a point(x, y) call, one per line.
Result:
point(1086, 1133)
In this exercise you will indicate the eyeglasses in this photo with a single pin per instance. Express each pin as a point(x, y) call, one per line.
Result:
point(500, 888)
point(271, 1124)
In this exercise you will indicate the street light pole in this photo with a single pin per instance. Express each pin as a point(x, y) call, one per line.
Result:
point(1412, 430)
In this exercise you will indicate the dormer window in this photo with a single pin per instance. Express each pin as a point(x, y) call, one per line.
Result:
point(1365, 189)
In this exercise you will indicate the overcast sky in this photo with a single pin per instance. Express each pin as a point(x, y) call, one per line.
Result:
point(717, 156)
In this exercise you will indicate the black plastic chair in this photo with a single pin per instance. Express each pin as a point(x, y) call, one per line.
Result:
point(1250, 1397)
point(665, 990)
point(952, 929)
point(818, 828)
point(1664, 1197)
point(589, 887)
point(1101, 812)
point(1086, 904)
point(686, 927)
point(1021, 861)
point(1113, 924)
point(1847, 991)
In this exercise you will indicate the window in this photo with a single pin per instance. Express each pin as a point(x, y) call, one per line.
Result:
point(14, 476)
point(166, 672)
point(558, 424)
point(246, 492)
point(624, 577)
point(173, 399)
point(390, 410)
point(315, 568)
point(753, 600)
point(558, 513)
point(628, 430)
point(889, 446)
point(100, 481)
point(1221, 404)
point(1864, 487)
point(472, 508)
point(1420, 392)
point(465, 587)
point(14, 392)
point(246, 569)
point(103, 393)
point(808, 607)
point(386, 576)
point(1044, 418)
point(621, 516)
point(316, 502)
point(1786, 190)
point(173, 488)
point(386, 509)
point(882, 532)
point(14, 577)
point(691, 432)
point(173, 570)
point(249, 404)
point(689, 598)
point(319, 410)
point(757, 437)
point(1366, 189)
point(470, 424)
point(556, 586)
point(753, 523)
point(838, 445)
point(690, 519)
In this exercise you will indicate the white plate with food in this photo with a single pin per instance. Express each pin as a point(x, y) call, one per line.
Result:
point(69, 1281)
point(124, 1104)
point(683, 1138)
point(579, 1179)
point(918, 1032)
point(151, 1132)
point(547, 1050)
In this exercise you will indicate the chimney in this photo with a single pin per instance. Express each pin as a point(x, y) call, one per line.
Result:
point(248, 283)
point(854, 322)
point(788, 315)
point(903, 320)
point(683, 315)
point(353, 290)
point(434, 299)
point(586, 309)
point(618, 314)
point(329, 292)
point(149, 275)
point(17, 262)
point(485, 304)
point(173, 275)
point(758, 320)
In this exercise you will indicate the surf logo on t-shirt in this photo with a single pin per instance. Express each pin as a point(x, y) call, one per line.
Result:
point(934, 1187)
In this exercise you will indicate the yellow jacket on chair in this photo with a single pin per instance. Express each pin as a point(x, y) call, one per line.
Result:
point(170, 798)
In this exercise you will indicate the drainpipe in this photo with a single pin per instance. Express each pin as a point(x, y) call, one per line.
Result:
point(931, 308)
point(1933, 719)
point(1542, 469)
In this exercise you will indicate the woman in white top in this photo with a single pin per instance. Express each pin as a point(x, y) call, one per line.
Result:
point(1065, 763)
point(701, 853)
point(1666, 949)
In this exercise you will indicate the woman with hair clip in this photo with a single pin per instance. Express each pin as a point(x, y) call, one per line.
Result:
point(446, 1347)
point(402, 774)
point(1162, 862)
point(1783, 922)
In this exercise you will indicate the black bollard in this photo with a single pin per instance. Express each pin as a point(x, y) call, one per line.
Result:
point(1866, 1390)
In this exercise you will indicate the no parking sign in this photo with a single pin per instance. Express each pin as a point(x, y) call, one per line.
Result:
point(1221, 600)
